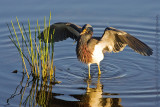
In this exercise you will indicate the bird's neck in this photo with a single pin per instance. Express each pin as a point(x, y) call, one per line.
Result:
point(85, 38)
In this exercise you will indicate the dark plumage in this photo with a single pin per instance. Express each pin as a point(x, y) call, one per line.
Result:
point(91, 49)
point(63, 31)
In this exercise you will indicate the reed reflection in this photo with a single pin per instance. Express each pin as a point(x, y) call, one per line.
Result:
point(38, 92)
point(33, 92)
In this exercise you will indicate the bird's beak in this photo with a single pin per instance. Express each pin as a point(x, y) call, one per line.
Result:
point(83, 32)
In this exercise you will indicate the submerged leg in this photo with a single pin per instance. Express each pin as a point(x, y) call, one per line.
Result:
point(99, 69)
point(89, 76)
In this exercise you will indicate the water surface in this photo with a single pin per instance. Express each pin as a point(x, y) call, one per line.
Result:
point(127, 80)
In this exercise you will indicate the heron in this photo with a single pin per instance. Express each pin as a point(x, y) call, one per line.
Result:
point(91, 50)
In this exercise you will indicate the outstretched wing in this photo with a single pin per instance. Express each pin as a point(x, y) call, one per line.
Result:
point(62, 31)
point(116, 40)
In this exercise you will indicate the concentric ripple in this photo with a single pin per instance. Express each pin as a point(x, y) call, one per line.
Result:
point(111, 68)
point(77, 69)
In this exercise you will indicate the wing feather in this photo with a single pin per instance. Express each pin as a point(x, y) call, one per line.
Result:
point(63, 31)
point(114, 40)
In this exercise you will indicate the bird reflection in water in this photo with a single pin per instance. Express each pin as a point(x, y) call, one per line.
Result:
point(94, 97)
point(42, 94)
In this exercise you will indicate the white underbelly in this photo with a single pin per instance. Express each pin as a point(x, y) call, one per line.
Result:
point(97, 55)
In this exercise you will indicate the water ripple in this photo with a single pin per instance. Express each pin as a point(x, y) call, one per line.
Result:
point(126, 75)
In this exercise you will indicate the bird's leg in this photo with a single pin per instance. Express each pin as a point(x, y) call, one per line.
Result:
point(99, 69)
point(89, 76)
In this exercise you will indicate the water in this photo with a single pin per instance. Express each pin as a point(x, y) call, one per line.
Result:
point(128, 79)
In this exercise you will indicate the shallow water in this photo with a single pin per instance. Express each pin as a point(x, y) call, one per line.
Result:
point(127, 80)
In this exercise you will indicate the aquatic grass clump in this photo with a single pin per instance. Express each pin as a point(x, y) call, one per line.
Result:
point(39, 54)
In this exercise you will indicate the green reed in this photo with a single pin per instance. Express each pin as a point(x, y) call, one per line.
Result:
point(38, 55)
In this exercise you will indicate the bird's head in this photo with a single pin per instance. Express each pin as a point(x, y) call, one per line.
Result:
point(87, 29)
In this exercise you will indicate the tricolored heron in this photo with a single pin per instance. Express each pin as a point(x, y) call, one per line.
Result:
point(90, 49)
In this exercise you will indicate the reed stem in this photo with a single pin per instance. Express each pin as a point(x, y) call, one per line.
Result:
point(39, 52)
point(20, 48)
